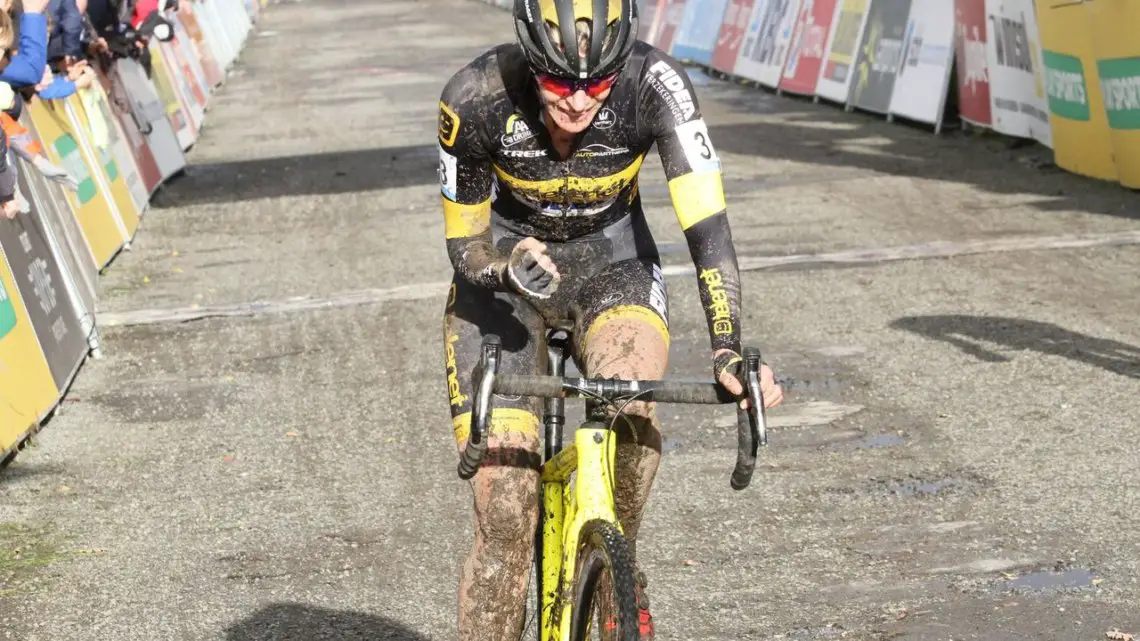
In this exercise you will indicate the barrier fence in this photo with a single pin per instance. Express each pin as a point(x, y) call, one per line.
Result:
point(1065, 73)
point(119, 139)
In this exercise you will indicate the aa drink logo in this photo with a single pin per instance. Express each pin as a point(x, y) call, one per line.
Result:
point(1065, 83)
point(72, 160)
point(7, 312)
point(1120, 86)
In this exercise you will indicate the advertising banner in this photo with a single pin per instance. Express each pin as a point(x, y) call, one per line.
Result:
point(132, 125)
point(652, 13)
point(1017, 85)
point(202, 48)
point(190, 61)
point(103, 230)
point(172, 101)
point(880, 56)
point(731, 35)
point(970, 54)
point(928, 55)
point(1117, 50)
point(192, 93)
point(697, 34)
point(92, 113)
point(1081, 140)
point(843, 41)
point(805, 56)
point(217, 40)
point(27, 391)
point(67, 236)
point(764, 63)
point(95, 141)
point(42, 288)
point(160, 134)
point(674, 12)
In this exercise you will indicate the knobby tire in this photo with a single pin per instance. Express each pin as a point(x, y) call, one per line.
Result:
point(604, 553)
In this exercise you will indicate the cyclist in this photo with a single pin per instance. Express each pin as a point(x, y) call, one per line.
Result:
point(540, 146)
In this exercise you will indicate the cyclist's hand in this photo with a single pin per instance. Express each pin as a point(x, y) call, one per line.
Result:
point(530, 271)
point(728, 366)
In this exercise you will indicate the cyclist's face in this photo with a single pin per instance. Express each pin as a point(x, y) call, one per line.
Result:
point(572, 112)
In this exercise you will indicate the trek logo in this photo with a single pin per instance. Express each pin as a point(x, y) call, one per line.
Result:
point(664, 76)
point(453, 390)
point(517, 131)
point(722, 316)
point(605, 119)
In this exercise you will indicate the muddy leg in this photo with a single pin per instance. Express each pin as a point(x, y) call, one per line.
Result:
point(492, 589)
point(631, 348)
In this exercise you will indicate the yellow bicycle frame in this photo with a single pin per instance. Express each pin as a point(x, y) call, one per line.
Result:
point(590, 497)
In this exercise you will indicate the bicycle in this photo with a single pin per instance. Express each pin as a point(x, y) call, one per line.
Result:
point(571, 560)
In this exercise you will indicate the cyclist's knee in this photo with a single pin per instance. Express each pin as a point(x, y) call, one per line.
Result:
point(626, 342)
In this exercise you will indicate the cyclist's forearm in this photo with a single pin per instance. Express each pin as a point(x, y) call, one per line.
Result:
point(477, 261)
point(718, 278)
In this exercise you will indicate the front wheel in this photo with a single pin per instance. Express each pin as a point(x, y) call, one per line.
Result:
point(604, 581)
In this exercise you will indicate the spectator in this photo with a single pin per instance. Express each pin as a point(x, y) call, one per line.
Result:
point(25, 67)
point(65, 46)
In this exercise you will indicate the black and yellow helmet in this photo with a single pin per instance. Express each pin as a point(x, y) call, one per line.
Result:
point(549, 29)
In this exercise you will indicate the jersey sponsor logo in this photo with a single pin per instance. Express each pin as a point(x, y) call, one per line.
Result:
point(658, 295)
point(695, 142)
point(671, 86)
point(605, 119)
point(448, 125)
point(598, 150)
point(454, 392)
point(448, 174)
point(722, 316)
point(517, 131)
point(573, 196)
point(524, 153)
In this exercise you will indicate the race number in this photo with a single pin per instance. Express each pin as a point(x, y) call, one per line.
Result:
point(694, 137)
point(448, 174)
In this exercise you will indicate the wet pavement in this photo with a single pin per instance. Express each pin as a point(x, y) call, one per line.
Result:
point(956, 458)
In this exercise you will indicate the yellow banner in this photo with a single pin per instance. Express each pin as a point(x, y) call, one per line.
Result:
point(1116, 43)
point(1081, 143)
point(97, 132)
point(27, 390)
point(101, 225)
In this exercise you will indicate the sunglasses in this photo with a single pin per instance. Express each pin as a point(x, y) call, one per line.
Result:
point(565, 87)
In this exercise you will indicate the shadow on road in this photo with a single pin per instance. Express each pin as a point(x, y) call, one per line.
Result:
point(824, 134)
point(298, 622)
point(302, 175)
point(970, 333)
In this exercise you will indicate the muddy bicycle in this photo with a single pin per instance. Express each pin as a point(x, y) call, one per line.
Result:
point(579, 545)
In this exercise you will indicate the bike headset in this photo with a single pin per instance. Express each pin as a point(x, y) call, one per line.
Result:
point(545, 27)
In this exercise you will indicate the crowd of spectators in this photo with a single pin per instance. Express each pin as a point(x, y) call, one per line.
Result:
point(50, 50)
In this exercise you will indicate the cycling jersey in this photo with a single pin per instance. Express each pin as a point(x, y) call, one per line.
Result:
point(496, 154)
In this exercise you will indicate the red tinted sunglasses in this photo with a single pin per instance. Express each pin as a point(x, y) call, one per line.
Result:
point(566, 87)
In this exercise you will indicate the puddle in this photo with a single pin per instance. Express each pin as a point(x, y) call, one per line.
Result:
point(1046, 581)
point(816, 633)
point(873, 442)
point(671, 444)
point(814, 383)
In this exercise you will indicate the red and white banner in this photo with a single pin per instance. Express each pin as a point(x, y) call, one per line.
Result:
point(973, 71)
point(923, 79)
point(731, 35)
point(806, 54)
point(765, 62)
point(674, 10)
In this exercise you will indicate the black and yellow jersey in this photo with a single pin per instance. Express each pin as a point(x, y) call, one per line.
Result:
point(496, 153)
